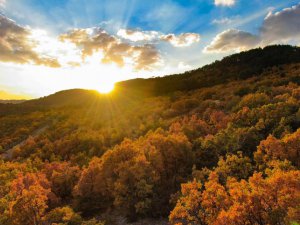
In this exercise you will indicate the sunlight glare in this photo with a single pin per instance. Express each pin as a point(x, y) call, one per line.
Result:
point(105, 88)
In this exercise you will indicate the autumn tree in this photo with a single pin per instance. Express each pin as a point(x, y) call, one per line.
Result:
point(271, 200)
point(123, 176)
point(63, 215)
point(275, 149)
point(234, 165)
point(254, 100)
point(90, 195)
point(198, 206)
point(29, 196)
point(188, 209)
point(171, 156)
point(62, 177)
point(137, 176)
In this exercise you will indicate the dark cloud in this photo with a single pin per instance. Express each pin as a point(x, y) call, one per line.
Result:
point(17, 46)
point(148, 56)
point(282, 26)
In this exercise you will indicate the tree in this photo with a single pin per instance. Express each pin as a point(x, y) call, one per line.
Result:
point(122, 177)
point(214, 199)
point(90, 192)
point(63, 215)
point(254, 100)
point(271, 200)
point(29, 196)
point(274, 149)
point(62, 177)
point(197, 206)
point(171, 157)
point(137, 176)
point(237, 166)
point(274, 200)
point(188, 208)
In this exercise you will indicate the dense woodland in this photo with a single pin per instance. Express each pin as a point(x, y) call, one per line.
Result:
point(218, 145)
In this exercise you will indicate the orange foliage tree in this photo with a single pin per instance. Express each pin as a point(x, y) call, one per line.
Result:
point(271, 200)
point(136, 176)
point(29, 196)
point(274, 149)
point(62, 177)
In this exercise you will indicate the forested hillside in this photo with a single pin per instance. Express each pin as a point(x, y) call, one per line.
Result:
point(217, 145)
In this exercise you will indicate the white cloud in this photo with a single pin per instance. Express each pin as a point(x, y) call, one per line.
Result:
point(137, 35)
point(182, 40)
point(225, 2)
point(232, 40)
point(182, 66)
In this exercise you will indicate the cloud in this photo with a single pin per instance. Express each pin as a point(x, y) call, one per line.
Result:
point(133, 49)
point(92, 40)
point(17, 46)
point(282, 26)
point(137, 35)
point(183, 66)
point(232, 40)
point(2, 3)
point(277, 28)
point(182, 40)
point(116, 50)
point(24, 45)
point(147, 57)
point(225, 2)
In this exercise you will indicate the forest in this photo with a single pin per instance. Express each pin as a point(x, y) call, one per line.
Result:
point(219, 145)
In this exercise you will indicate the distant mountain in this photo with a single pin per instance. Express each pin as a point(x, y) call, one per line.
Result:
point(11, 101)
point(67, 97)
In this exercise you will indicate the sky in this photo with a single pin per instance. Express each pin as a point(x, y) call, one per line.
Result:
point(52, 45)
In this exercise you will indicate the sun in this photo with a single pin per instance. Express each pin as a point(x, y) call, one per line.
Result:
point(105, 88)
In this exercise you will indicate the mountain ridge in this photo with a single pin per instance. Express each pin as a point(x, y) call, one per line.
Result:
point(239, 66)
